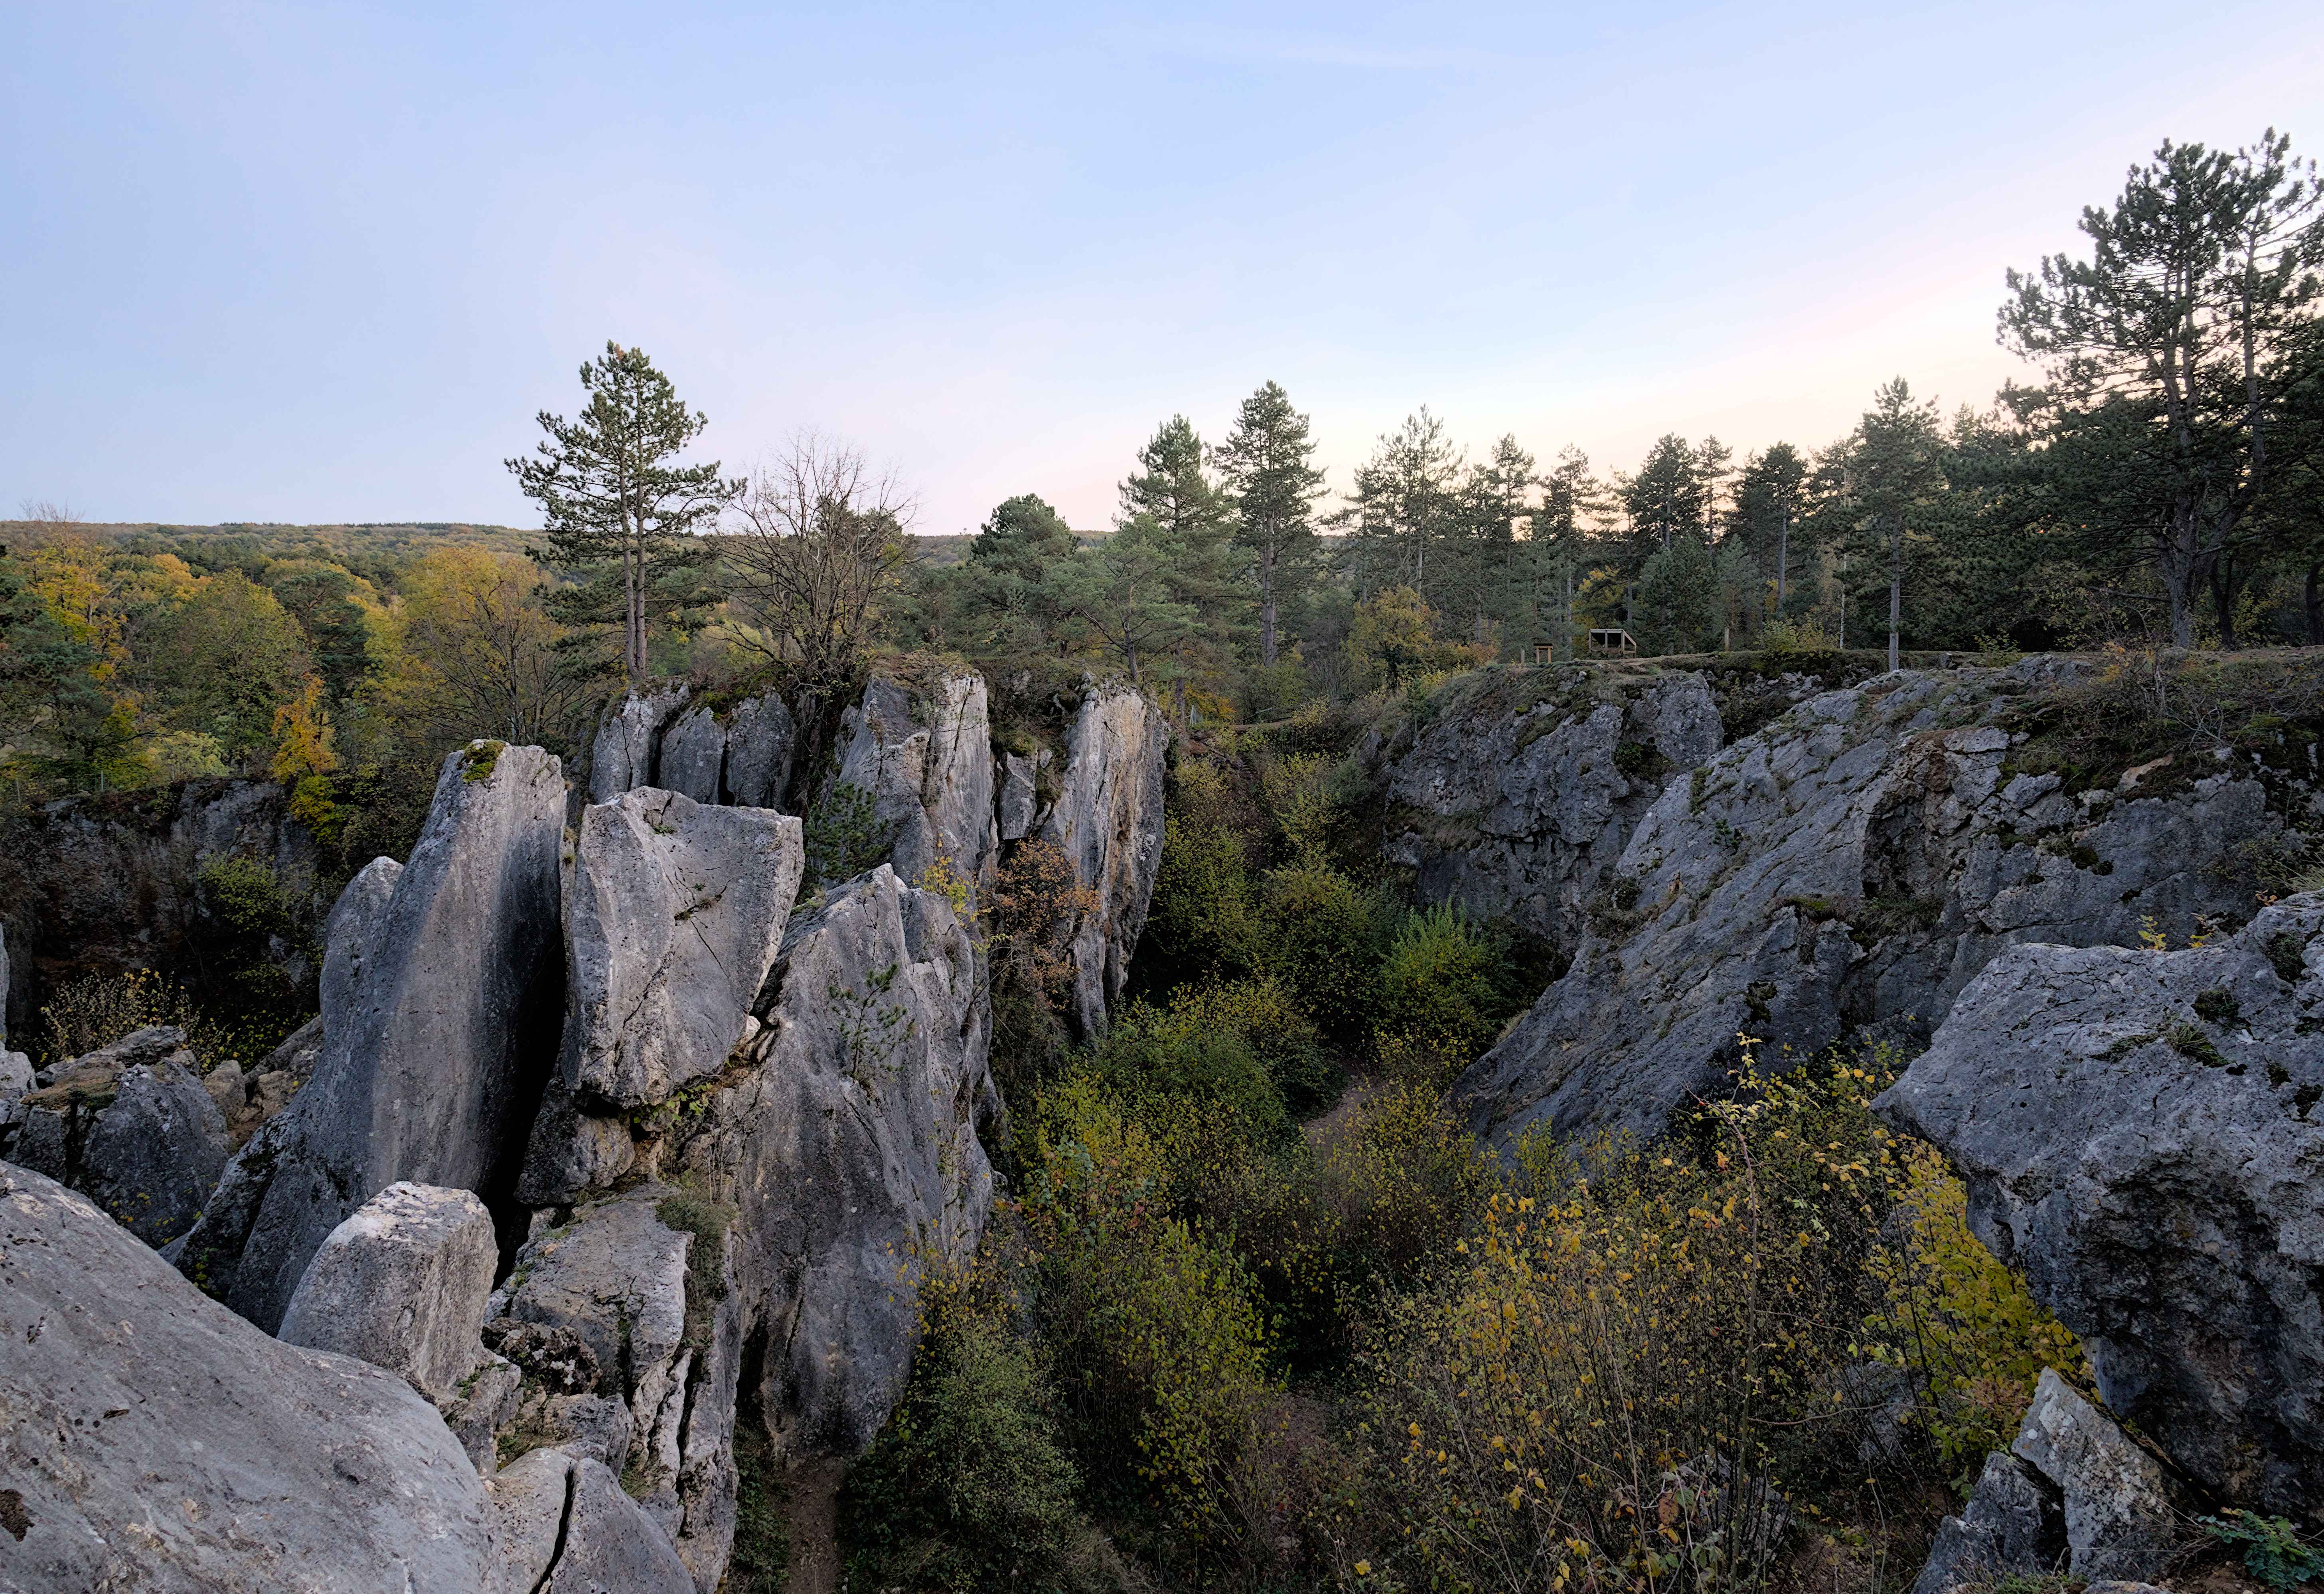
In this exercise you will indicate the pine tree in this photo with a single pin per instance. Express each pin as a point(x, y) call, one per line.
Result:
point(1273, 489)
point(611, 500)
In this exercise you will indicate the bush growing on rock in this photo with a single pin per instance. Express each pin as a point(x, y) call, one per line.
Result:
point(1644, 1354)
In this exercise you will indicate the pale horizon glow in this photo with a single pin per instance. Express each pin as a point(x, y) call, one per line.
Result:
point(309, 264)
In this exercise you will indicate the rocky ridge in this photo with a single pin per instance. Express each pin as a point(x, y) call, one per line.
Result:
point(1848, 869)
point(763, 1123)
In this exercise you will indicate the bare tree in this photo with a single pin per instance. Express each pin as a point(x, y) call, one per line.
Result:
point(815, 542)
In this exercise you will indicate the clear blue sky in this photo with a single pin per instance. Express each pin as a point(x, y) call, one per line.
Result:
point(324, 261)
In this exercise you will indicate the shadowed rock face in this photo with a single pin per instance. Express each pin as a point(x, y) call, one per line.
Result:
point(739, 757)
point(675, 915)
point(1522, 816)
point(627, 752)
point(130, 1127)
point(158, 1441)
point(2139, 1135)
point(439, 1019)
point(1853, 864)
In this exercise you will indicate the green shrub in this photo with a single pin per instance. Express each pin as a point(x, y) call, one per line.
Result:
point(1437, 981)
point(844, 835)
point(969, 1486)
point(1200, 925)
point(1157, 1344)
point(1322, 944)
point(1179, 1053)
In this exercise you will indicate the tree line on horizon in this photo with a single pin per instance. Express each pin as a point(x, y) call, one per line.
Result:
point(2162, 484)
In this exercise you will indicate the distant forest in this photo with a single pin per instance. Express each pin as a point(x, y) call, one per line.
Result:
point(2162, 485)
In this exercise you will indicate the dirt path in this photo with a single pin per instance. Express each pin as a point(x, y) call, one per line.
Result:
point(811, 1514)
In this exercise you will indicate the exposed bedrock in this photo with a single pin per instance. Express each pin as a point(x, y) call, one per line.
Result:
point(839, 1142)
point(2139, 1135)
point(130, 1127)
point(1107, 821)
point(668, 738)
point(675, 914)
point(1523, 815)
point(2073, 1494)
point(925, 757)
point(441, 990)
point(156, 1440)
point(1852, 865)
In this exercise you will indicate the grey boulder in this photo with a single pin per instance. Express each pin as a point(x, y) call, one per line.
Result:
point(155, 1441)
point(402, 1285)
point(2011, 1526)
point(131, 1126)
point(2137, 1134)
point(2118, 1500)
point(439, 1019)
point(674, 915)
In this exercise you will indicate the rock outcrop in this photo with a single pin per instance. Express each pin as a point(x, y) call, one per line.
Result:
point(850, 1152)
point(1520, 810)
point(111, 885)
point(131, 1126)
point(2138, 1133)
point(1107, 821)
point(2074, 1495)
point(627, 752)
point(440, 992)
point(924, 757)
point(566, 1528)
point(669, 740)
point(155, 1439)
point(674, 915)
point(838, 1150)
point(640, 1284)
point(1852, 866)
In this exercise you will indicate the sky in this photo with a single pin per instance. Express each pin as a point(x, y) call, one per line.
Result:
point(325, 263)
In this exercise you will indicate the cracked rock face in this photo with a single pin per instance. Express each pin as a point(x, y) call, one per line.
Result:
point(627, 750)
point(566, 1528)
point(129, 1126)
point(925, 760)
point(1107, 821)
point(674, 915)
point(158, 1441)
point(850, 1153)
point(739, 757)
point(1522, 816)
point(2140, 1136)
point(620, 1292)
point(439, 1003)
point(1853, 864)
